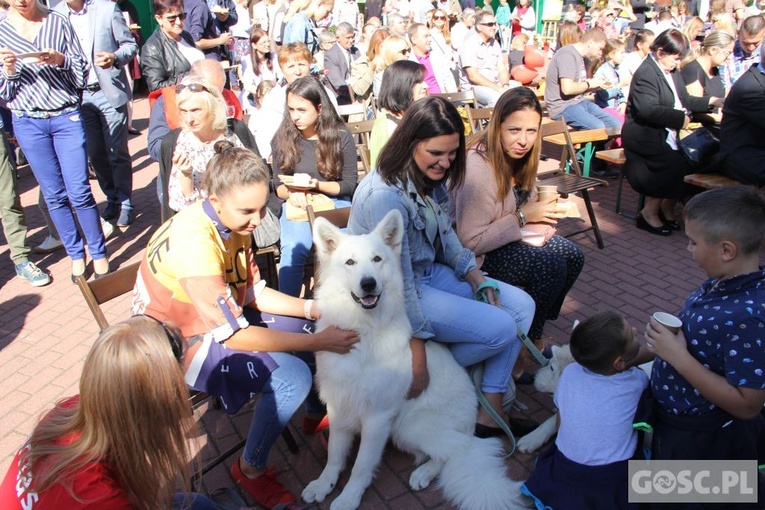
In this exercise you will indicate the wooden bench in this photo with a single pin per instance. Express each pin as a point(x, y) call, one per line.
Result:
point(710, 181)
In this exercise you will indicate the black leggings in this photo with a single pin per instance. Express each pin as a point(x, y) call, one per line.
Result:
point(546, 273)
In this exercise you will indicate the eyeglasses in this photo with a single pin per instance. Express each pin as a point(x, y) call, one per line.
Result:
point(726, 52)
point(193, 87)
point(174, 17)
point(490, 24)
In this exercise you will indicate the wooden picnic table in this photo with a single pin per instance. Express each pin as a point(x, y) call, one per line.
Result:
point(585, 141)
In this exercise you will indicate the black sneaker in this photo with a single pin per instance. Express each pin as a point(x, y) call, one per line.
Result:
point(112, 211)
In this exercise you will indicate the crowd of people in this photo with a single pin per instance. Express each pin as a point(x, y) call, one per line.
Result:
point(245, 127)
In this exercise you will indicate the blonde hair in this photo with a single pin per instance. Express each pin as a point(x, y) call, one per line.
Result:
point(305, 6)
point(212, 100)
point(723, 21)
point(390, 51)
point(133, 413)
point(444, 28)
point(716, 39)
point(519, 42)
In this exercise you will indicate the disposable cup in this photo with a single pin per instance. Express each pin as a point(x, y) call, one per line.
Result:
point(547, 192)
point(669, 321)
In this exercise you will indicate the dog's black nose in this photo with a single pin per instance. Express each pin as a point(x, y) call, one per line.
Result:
point(368, 284)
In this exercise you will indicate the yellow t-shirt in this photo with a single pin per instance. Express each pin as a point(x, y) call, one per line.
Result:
point(197, 274)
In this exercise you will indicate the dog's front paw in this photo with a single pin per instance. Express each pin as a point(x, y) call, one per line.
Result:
point(346, 501)
point(423, 475)
point(531, 442)
point(317, 491)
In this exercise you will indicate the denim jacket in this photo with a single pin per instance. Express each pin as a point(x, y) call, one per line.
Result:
point(372, 201)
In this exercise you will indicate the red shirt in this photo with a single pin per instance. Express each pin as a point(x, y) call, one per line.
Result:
point(96, 486)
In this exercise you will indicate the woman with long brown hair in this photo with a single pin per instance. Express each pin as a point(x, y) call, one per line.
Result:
point(313, 140)
point(498, 197)
point(122, 442)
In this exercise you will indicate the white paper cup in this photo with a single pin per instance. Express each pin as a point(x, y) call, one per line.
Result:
point(547, 192)
point(669, 321)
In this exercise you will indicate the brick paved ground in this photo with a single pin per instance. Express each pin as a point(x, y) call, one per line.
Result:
point(45, 333)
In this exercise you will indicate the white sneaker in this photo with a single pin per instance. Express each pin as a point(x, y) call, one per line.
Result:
point(107, 227)
point(48, 245)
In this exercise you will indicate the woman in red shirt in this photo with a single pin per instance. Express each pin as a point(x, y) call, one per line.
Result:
point(121, 443)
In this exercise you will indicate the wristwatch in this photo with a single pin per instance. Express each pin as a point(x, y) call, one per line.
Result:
point(521, 218)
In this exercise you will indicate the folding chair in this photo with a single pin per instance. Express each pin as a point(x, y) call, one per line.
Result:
point(481, 118)
point(362, 130)
point(339, 218)
point(466, 98)
point(120, 282)
point(574, 182)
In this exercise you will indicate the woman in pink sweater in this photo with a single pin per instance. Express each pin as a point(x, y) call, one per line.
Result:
point(498, 197)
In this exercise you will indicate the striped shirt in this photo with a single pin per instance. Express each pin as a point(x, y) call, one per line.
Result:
point(41, 88)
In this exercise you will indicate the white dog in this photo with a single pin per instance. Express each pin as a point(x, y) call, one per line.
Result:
point(546, 380)
point(361, 288)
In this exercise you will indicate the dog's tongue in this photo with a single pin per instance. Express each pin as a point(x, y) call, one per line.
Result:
point(368, 300)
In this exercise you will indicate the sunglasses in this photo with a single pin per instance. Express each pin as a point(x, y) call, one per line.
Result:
point(491, 24)
point(173, 17)
point(405, 51)
point(439, 17)
point(193, 87)
point(177, 344)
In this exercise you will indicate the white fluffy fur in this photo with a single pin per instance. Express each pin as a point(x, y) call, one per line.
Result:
point(365, 389)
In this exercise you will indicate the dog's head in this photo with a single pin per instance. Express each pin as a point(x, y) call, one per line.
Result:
point(546, 379)
point(361, 268)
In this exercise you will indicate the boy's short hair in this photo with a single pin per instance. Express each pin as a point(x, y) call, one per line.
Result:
point(734, 213)
point(598, 340)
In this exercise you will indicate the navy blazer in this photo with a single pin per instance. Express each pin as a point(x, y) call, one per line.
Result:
point(109, 33)
point(651, 109)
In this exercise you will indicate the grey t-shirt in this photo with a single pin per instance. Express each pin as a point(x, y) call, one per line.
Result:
point(566, 63)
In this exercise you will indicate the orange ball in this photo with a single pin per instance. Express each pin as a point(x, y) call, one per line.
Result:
point(523, 74)
point(533, 58)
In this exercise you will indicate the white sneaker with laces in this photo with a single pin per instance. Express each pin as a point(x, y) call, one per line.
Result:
point(107, 227)
point(48, 245)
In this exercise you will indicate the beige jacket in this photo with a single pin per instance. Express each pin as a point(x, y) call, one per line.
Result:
point(482, 222)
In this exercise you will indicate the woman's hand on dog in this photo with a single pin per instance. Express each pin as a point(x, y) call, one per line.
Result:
point(667, 345)
point(332, 339)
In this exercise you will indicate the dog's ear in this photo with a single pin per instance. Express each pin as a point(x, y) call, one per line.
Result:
point(391, 230)
point(326, 237)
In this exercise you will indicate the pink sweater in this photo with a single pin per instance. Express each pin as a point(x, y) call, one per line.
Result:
point(483, 223)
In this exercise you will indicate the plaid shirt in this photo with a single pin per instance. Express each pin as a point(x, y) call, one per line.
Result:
point(738, 65)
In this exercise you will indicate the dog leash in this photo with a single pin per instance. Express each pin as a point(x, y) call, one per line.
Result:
point(476, 371)
point(480, 295)
point(476, 374)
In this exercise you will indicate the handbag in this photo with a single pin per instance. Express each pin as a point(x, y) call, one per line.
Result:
point(268, 232)
point(699, 147)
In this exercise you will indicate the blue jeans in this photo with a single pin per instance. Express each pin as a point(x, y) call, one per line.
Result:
point(55, 149)
point(296, 243)
point(587, 115)
point(477, 331)
point(280, 397)
point(107, 134)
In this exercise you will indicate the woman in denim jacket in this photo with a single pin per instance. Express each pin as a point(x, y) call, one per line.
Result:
point(440, 275)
